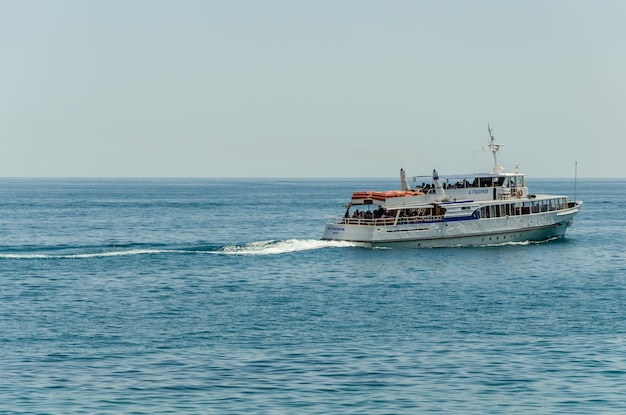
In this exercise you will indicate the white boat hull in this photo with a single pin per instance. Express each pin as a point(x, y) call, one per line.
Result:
point(475, 232)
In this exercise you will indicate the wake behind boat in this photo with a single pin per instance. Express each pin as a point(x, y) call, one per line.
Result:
point(457, 210)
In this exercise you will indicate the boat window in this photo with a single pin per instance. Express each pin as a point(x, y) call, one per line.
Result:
point(509, 209)
point(534, 207)
point(484, 212)
point(554, 204)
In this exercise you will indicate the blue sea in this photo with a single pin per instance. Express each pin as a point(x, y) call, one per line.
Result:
point(217, 296)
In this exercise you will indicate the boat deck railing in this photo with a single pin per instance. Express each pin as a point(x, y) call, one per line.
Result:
point(389, 221)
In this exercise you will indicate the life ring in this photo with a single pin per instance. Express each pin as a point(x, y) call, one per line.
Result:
point(520, 193)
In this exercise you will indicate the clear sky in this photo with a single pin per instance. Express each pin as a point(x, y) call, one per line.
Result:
point(310, 88)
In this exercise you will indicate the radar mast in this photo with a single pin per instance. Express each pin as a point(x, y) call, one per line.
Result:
point(497, 167)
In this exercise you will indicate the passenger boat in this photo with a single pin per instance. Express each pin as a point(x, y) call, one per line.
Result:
point(458, 210)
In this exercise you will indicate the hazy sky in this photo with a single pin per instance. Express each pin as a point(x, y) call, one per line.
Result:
point(310, 88)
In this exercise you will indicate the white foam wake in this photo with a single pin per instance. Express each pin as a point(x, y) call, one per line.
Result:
point(253, 248)
point(281, 247)
point(84, 255)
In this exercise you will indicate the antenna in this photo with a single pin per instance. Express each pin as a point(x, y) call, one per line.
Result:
point(497, 167)
point(575, 179)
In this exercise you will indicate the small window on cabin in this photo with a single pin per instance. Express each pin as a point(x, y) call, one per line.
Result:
point(534, 208)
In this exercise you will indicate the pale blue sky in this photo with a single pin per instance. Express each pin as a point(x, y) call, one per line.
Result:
point(310, 89)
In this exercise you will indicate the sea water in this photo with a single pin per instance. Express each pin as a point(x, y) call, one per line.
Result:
point(218, 297)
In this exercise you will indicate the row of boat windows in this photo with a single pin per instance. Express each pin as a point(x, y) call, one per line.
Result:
point(522, 208)
point(492, 211)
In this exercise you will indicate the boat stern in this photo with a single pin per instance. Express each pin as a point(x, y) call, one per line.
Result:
point(347, 232)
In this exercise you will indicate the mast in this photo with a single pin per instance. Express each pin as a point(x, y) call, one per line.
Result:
point(403, 182)
point(439, 191)
point(497, 167)
point(575, 178)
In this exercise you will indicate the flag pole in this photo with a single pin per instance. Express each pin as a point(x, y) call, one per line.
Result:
point(575, 178)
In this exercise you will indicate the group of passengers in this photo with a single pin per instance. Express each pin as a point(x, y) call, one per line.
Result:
point(379, 213)
point(462, 184)
point(382, 213)
point(458, 185)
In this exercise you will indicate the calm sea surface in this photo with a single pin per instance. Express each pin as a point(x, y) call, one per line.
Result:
point(217, 297)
